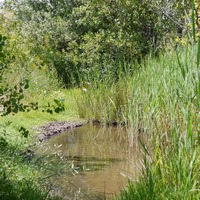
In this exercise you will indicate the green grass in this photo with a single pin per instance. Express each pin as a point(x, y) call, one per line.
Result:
point(159, 99)
point(148, 98)
point(172, 172)
point(19, 177)
point(31, 119)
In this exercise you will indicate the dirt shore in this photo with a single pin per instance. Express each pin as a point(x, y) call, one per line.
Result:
point(55, 128)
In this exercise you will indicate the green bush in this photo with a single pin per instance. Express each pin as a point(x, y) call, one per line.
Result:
point(75, 36)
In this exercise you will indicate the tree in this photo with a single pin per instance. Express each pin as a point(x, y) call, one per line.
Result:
point(10, 98)
point(73, 36)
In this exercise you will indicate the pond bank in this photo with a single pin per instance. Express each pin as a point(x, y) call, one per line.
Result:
point(54, 128)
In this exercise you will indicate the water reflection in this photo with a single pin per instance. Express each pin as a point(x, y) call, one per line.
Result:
point(102, 159)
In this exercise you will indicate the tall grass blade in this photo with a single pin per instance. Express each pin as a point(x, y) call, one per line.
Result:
point(193, 22)
point(198, 53)
point(183, 72)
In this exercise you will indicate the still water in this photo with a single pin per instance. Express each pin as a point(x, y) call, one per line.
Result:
point(101, 160)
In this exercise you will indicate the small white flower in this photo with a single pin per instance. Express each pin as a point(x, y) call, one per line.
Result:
point(84, 89)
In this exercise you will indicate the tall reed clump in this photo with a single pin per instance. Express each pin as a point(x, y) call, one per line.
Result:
point(160, 98)
point(150, 96)
point(172, 173)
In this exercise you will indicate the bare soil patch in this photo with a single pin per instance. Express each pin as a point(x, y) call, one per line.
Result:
point(54, 128)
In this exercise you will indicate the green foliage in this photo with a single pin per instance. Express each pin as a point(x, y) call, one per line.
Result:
point(2, 54)
point(18, 179)
point(173, 75)
point(24, 131)
point(172, 173)
point(57, 107)
point(22, 174)
point(22, 74)
point(60, 106)
point(74, 36)
point(160, 101)
point(101, 45)
point(9, 97)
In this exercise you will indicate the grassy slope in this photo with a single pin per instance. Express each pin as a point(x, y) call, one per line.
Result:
point(20, 179)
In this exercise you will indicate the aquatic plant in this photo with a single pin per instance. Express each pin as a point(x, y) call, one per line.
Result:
point(160, 98)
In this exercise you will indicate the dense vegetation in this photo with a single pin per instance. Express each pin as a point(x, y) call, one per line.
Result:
point(73, 36)
point(133, 62)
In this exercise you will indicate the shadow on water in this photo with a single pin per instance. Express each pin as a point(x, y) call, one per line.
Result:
point(100, 161)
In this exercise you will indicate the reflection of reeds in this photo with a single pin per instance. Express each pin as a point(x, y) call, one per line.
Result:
point(96, 154)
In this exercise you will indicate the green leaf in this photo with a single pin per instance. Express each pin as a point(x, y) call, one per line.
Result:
point(57, 102)
point(50, 111)
point(24, 131)
point(57, 110)
point(13, 101)
point(16, 109)
point(26, 86)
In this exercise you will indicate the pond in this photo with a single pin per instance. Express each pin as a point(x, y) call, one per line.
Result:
point(100, 160)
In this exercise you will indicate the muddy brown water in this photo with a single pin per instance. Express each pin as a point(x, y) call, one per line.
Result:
point(100, 160)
